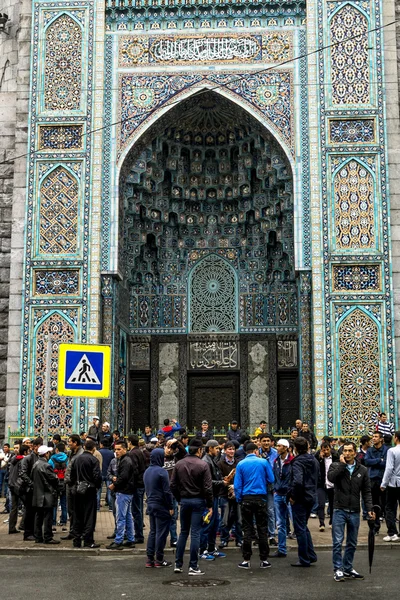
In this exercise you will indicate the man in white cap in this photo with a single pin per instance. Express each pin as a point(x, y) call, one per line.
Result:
point(95, 427)
point(45, 485)
point(282, 469)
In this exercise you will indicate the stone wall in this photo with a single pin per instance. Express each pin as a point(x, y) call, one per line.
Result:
point(14, 98)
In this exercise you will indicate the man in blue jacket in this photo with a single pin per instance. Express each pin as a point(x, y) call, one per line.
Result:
point(282, 470)
point(375, 460)
point(251, 482)
point(302, 494)
point(269, 453)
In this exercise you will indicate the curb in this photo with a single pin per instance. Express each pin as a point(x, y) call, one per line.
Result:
point(41, 551)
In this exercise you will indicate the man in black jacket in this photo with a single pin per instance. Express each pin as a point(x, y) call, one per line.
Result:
point(139, 467)
point(325, 457)
point(86, 474)
point(351, 480)
point(208, 536)
point(26, 490)
point(204, 433)
point(302, 495)
point(44, 497)
point(191, 484)
point(123, 485)
point(14, 484)
point(76, 449)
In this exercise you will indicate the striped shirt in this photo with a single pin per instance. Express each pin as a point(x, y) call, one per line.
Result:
point(385, 428)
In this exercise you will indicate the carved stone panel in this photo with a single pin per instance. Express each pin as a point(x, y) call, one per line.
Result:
point(139, 356)
point(258, 382)
point(168, 381)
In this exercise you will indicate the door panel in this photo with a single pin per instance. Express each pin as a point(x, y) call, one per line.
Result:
point(288, 399)
point(214, 398)
point(139, 402)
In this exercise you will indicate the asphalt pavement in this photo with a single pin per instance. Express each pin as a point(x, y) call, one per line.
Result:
point(124, 577)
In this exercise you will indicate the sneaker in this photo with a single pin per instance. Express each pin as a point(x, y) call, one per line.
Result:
point(338, 576)
point(322, 527)
point(223, 545)
point(245, 564)
point(173, 544)
point(128, 544)
point(115, 546)
point(207, 556)
point(292, 536)
point(264, 564)
point(194, 571)
point(353, 575)
point(391, 538)
point(239, 544)
point(313, 516)
point(164, 563)
point(217, 554)
point(178, 569)
point(149, 564)
point(109, 537)
point(273, 542)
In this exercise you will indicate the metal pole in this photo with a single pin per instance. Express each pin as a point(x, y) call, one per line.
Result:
point(47, 393)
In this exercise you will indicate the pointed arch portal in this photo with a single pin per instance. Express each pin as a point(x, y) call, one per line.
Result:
point(206, 248)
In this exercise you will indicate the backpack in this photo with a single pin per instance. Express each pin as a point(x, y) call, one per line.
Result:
point(59, 469)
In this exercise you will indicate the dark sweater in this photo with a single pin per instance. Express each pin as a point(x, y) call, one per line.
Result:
point(156, 482)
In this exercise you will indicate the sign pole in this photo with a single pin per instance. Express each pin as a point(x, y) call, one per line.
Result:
point(47, 393)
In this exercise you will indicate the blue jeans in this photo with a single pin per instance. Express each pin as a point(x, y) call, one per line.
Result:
point(172, 528)
point(209, 532)
point(191, 518)
point(124, 519)
point(108, 493)
point(340, 519)
point(63, 503)
point(271, 514)
point(3, 473)
point(306, 552)
point(160, 521)
point(281, 511)
point(137, 512)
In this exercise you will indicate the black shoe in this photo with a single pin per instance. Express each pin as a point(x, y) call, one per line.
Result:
point(115, 546)
point(128, 544)
point(111, 537)
point(223, 545)
point(14, 531)
point(67, 537)
point(278, 555)
point(39, 541)
point(299, 564)
point(77, 544)
point(273, 542)
point(94, 545)
point(29, 538)
point(140, 541)
point(173, 544)
point(53, 542)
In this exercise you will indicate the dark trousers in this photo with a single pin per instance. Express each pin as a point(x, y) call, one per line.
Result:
point(160, 521)
point(301, 514)
point(85, 516)
point(231, 516)
point(255, 510)
point(71, 509)
point(29, 518)
point(44, 524)
point(378, 497)
point(392, 503)
point(208, 534)
point(12, 523)
point(322, 495)
point(137, 512)
point(191, 517)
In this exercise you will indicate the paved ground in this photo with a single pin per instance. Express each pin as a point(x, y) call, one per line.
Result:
point(105, 526)
point(124, 577)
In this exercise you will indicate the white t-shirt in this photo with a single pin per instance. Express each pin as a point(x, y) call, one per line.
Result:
point(328, 462)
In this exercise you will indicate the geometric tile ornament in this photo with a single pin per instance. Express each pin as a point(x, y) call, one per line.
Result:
point(359, 367)
point(352, 131)
point(351, 278)
point(354, 207)
point(59, 213)
point(349, 57)
point(60, 137)
point(56, 282)
point(63, 65)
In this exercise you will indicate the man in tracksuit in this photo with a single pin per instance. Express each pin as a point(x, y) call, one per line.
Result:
point(123, 485)
point(350, 480)
point(252, 478)
point(282, 470)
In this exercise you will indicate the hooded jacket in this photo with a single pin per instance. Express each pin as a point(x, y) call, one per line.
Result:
point(282, 477)
point(303, 485)
point(45, 484)
point(156, 482)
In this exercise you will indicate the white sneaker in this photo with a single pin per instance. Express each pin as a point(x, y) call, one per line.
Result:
point(391, 538)
point(313, 516)
point(195, 571)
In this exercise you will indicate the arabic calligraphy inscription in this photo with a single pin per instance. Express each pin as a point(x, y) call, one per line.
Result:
point(213, 355)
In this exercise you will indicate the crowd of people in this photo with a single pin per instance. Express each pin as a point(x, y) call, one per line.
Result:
point(251, 490)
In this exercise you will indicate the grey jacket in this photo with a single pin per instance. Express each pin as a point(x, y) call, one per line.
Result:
point(391, 477)
point(72, 459)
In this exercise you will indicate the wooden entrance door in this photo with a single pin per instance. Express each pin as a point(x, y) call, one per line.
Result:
point(214, 398)
point(288, 398)
point(139, 401)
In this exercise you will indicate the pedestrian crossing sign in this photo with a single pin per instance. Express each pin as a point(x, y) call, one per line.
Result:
point(84, 370)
